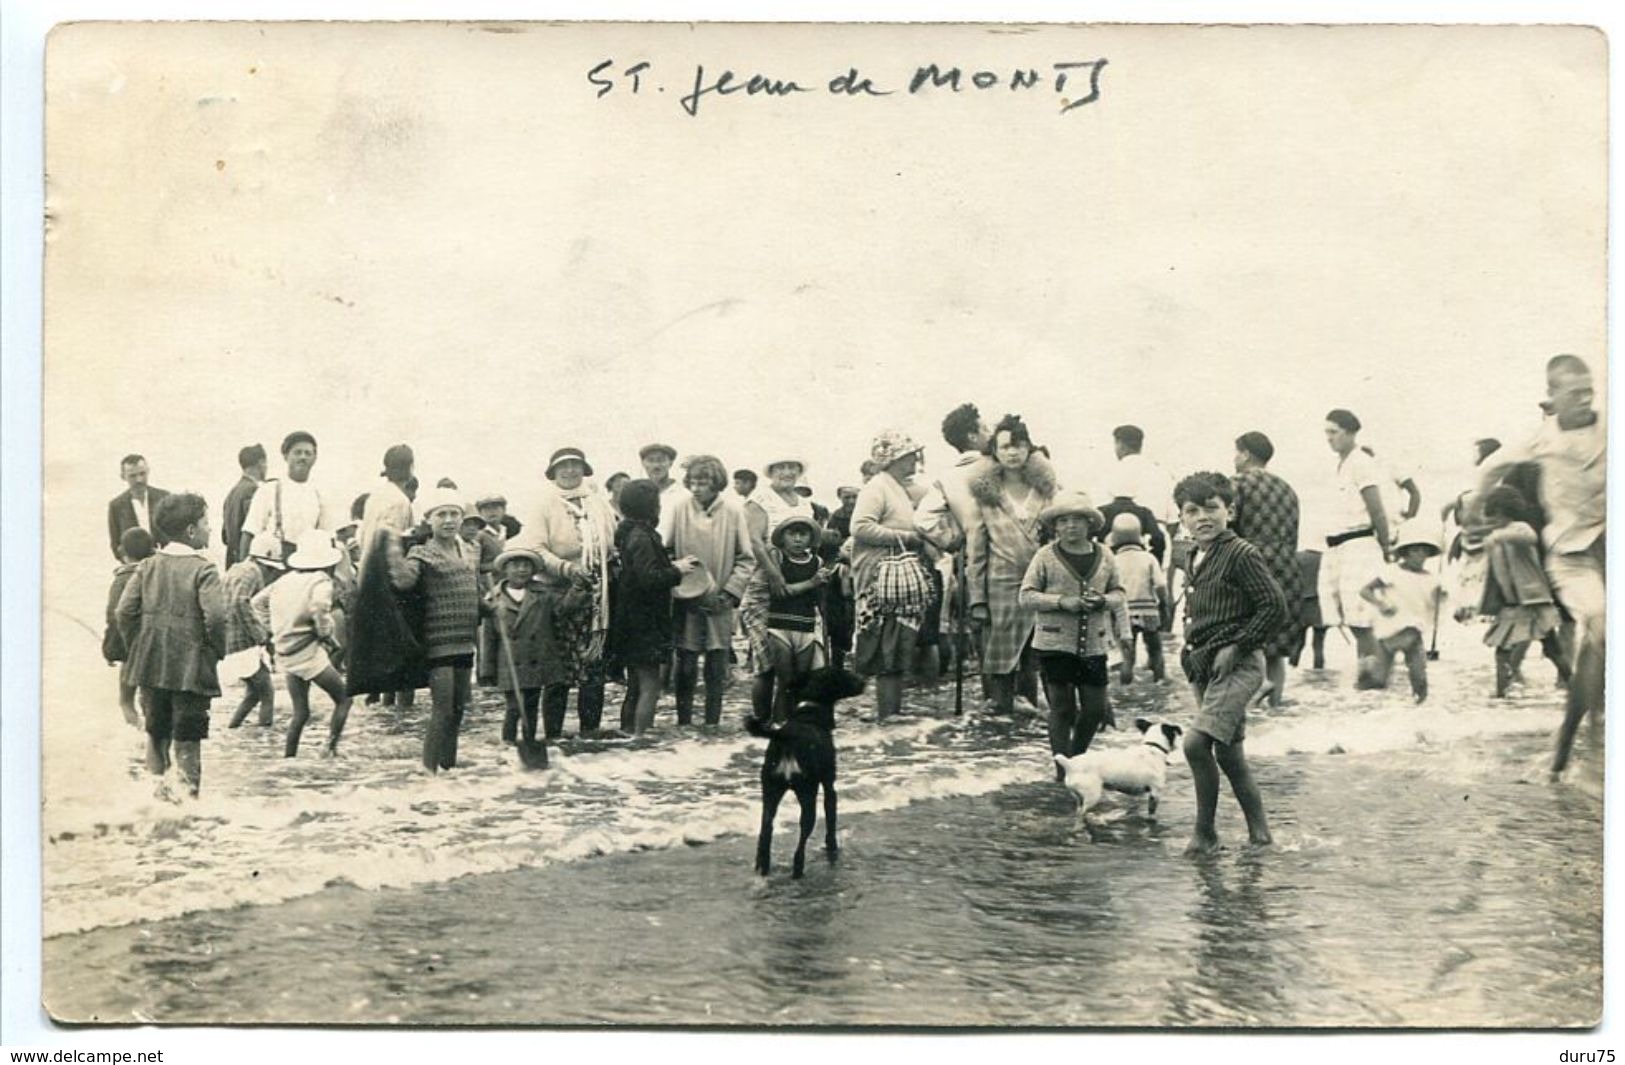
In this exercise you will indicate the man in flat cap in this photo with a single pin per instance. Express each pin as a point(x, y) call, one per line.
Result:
point(657, 460)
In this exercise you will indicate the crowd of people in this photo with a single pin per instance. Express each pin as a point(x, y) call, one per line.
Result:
point(663, 583)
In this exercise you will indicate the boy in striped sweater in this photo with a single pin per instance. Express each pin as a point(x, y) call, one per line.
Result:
point(1232, 607)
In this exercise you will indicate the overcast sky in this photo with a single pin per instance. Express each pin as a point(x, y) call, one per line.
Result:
point(443, 235)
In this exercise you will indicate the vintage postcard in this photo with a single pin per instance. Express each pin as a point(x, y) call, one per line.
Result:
point(929, 526)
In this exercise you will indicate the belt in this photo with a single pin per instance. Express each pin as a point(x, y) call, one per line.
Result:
point(1343, 538)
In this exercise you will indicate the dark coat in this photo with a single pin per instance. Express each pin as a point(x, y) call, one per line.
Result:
point(541, 651)
point(172, 617)
point(121, 515)
point(640, 621)
point(113, 648)
point(385, 653)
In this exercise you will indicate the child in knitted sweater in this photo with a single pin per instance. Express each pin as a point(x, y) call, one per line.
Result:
point(444, 572)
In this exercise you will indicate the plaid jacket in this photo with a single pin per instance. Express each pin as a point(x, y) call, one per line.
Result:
point(1267, 517)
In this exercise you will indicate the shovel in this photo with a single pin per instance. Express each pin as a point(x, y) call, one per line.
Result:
point(532, 753)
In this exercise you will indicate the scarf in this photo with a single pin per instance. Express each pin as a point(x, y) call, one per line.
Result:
point(594, 554)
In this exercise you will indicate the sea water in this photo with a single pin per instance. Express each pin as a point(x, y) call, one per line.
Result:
point(1424, 873)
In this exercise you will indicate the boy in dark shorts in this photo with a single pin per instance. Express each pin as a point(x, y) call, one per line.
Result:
point(172, 617)
point(1232, 608)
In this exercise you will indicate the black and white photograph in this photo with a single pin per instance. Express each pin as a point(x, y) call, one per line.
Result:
point(808, 526)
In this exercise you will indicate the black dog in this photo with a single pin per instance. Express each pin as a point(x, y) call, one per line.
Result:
point(801, 758)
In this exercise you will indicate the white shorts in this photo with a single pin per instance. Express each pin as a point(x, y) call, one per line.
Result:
point(1344, 571)
point(240, 665)
point(1577, 578)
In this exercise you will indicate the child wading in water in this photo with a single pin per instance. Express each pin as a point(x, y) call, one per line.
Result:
point(640, 631)
point(445, 571)
point(246, 636)
point(1407, 599)
point(1516, 592)
point(1073, 586)
point(133, 547)
point(794, 645)
point(1146, 590)
point(1232, 607)
point(172, 617)
point(527, 609)
point(298, 611)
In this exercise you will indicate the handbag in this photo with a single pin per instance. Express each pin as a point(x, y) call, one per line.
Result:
point(901, 582)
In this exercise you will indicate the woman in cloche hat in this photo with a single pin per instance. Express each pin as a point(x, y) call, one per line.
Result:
point(883, 524)
point(573, 530)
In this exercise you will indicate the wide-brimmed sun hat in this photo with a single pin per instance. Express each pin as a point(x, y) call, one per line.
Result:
point(512, 553)
point(439, 499)
point(267, 548)
point(314, 549)
point(794, 521)
point(1126, 529)
point(890, 445)
point(1418, 538)
point(1073, 502)
point(565, 453)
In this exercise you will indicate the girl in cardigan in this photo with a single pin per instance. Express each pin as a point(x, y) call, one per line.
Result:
point(172, 618)
point(640, 629)
point(1080, 610)
point(444, 571)
point(1011, 491)
point(300, 612)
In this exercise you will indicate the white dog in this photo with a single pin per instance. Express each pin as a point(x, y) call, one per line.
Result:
point(1138, 770)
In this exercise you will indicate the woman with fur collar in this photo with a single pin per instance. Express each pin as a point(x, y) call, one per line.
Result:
point(1011, 489)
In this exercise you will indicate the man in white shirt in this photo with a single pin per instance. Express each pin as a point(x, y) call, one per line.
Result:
point(1360, 537)
point(289, 506)
point(1148, 484)
point(1571, 450)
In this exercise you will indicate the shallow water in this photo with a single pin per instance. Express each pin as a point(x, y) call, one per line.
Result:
point(1424, 874)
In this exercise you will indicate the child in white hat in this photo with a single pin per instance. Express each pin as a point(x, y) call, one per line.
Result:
point(298, 612)
point(1406, 597)
point(1145, 588)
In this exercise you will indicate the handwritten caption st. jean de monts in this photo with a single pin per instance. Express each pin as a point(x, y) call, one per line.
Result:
point(1073, 84)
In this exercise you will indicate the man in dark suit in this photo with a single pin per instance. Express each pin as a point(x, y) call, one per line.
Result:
point(136, 505)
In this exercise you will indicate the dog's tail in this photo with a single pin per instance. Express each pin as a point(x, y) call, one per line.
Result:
point(761, 729)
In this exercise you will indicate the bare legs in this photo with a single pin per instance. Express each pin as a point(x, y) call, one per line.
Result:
point(260, 693)
point(329, 681)
point(1275, 678)
point(1207, 757)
